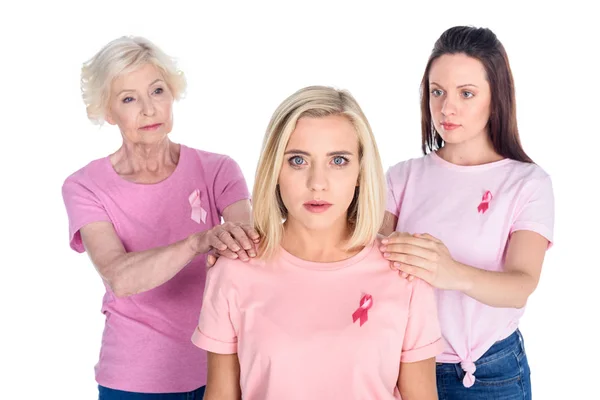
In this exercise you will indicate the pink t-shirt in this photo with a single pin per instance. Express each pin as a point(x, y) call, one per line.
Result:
point(473, 210)
point(290, 322)
point(146, 342)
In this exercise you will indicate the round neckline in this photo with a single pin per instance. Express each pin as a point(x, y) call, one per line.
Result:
point(326, 266)
point(467, 168)
point(124, 182)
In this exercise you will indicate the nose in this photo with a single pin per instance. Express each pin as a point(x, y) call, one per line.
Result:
point(148, 108)
point(317, 179)
point(448, 106)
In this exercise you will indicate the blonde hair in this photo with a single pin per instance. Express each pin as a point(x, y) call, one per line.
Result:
point(366, 212)
point(120, 56)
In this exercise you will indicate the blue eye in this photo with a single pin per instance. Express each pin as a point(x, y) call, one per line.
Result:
point(437, 92)
point(296, 161)
point(467, 94)
point(127, 99)
point(159, 91)
point(340, 161)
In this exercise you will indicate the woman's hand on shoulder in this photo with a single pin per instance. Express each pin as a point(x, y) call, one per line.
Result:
point(233, 240)
point(423, 256)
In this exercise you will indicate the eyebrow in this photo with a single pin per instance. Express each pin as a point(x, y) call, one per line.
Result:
point(459, 86)
point(131, 90)
point(333, 153)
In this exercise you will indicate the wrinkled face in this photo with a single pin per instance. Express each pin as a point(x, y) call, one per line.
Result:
point(460, 98)
point(320, 172)
point(141, 105)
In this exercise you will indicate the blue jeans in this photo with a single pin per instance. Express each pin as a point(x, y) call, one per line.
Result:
point(113, 394)
point(502, 373)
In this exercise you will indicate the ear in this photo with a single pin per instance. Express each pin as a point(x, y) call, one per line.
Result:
point(108, 117)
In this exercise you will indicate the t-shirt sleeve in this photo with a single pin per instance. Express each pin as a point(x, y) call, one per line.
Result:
point(393, 191)
point(423, 337)
point(230, 185)
point(215, 331)
point(83, 207)
point(536, 209)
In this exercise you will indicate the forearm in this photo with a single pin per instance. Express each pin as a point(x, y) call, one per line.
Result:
point(137, 272)
point(417, 380)
point(497, 289)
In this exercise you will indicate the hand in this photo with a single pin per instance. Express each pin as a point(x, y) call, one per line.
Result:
point(423, 256)
point(232, 239)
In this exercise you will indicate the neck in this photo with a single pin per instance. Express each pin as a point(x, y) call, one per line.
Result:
point(476, 151)
point(146, 161)
point(326, 245)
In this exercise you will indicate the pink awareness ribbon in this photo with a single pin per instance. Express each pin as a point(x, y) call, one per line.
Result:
point(198, 213)
point(485, 202)
point(362, 311)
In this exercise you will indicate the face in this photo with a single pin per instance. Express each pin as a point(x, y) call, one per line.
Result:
point(459, 99)
point(320, 172)
point(141, 105)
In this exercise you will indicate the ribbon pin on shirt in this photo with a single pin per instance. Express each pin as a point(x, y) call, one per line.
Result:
point(198, 213)
point(362, 311)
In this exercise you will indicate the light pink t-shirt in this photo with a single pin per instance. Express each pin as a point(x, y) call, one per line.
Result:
point(146, 342)
point(290, 322)
point(473, 210)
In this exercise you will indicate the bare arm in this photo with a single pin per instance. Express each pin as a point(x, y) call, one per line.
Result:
point(223, 377)
point(426, 257)
point(128, 273)
point(513, 286)
point(417, 380)
point(389, 224)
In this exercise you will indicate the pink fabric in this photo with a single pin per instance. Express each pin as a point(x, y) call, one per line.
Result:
point(473, 210)
point(145, 345)
point(291, 324)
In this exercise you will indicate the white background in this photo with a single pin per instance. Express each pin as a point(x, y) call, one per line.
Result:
point(241, 59)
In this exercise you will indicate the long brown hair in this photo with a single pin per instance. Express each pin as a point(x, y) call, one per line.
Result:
point(483, 45)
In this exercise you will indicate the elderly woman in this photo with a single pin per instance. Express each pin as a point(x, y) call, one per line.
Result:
point(147, 215)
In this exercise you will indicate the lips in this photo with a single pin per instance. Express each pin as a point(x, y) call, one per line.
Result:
point(449, 126)
point(151, 127)
point(317, 206)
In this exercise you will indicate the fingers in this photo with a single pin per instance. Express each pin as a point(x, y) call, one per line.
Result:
point(410, 249)
point(234, 240)
point(211, 260)
point(428, 236)
point(409, 259)
point(414, 240)
point(240, 234)
point(224, 244)
point(251, 233)
point(401, 273)
point(412, 271)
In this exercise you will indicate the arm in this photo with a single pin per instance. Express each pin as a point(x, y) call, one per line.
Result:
point(223, 377)
point(417, 380)
point(426, 257)
point(390, 221)
point(511, 288)
point(135, 272)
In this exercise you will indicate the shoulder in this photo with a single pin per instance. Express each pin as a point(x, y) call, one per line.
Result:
point(403, 168)
point(232, 271)
point(528, 178)
point(207, 157)
point(528, 171)
point(375, 257)
point(91, 174)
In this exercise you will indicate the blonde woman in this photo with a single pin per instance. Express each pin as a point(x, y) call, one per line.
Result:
point(147, 215)
point(319, 314)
